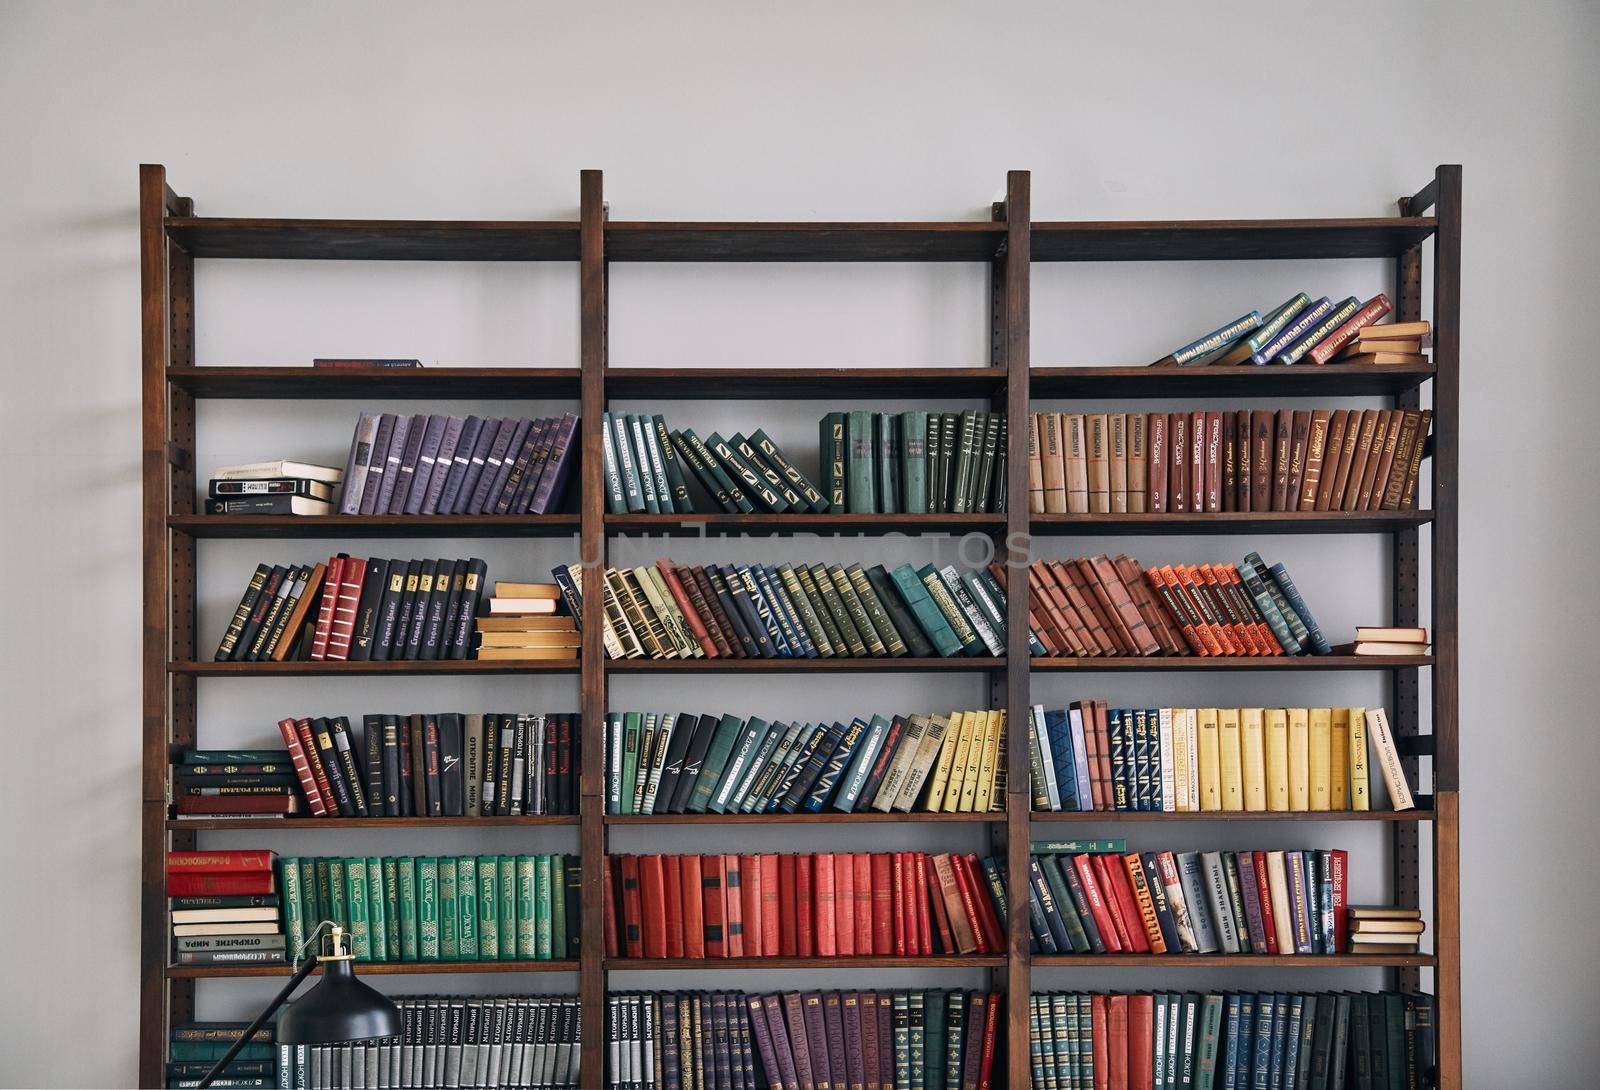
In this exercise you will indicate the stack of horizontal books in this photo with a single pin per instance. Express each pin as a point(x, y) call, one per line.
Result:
point(280, 487)
point(523, 624)
point(1385, 929)
point(225, 908)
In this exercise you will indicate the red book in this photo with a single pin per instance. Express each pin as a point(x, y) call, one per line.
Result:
point(632, 921)
point(1141, 1024)
point(1098, 1017)
point(844, 904)
point(330, 584)
point(987, 916)
point(941, 915)
point(750, 909)
point(897, 883)
point(223, 805)
point(234, 862)
point(1116, 1045)
point(822, 883)
point(770, 913)
point(302, 767)
point(1338, 862)
point(991, 1027)
point(919, 900)
point(1197, 462)
point(972, 918)
point(308, 746)
point(784, 890)
point(1098, 908)
point(1124, 907)
point(652, 895)
point(882, 905)
point(344, 608)
point(733, 904)
point(1102, 735)
point(697, 626)
point(672, 878)
point(805, 909)
point(1258, 866)
point(694, 919)
point(713, 908)
point(861, 862)
point(608, 906)
point(201, 885)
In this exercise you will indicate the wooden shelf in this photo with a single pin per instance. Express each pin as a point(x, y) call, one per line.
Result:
point(871, 818)
point(366, 526)
point(1278, 663)
point(311, 825)
point(803, 666)
point(1113, 817)
point(1229, 240)
point(354, 669)
point(376, 240)
point(644, 240)
point(1298, 380)
point(380, 383)
point(1235, 961)
point(970, 961)
point(840, 523)
point(1230, 522)
point(382, 968)
point(806, 383)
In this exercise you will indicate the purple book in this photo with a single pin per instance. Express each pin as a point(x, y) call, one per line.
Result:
point(391, 468)
point(522, 502)
point(1251, 894)
point(432, 435)
point(519, 462)
point(377, 463)
point(854, 1068)
point(460, 459)
point(777, 1038)
point(794, 1014)
point(552, 487)
point(415, 431)
point(355, 470)
point(442, 464)
point(495, 465)
point(476, 460)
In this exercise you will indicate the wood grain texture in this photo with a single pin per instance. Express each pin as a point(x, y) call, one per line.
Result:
point(806, 383)
point(871, 817)
point(373, 383)
point(376, 240)
point(314, 825)
point(644, 240)
point(1227, 240)
point(375, 968)
point(1298, 380)
point(1231, 522)
point(374, 526)
point(1283, 663)
point(419, 668)
point(804, 666)
point(843, 524)
point(966, 961)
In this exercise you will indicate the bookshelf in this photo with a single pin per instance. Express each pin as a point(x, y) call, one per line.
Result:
point(1421, 691)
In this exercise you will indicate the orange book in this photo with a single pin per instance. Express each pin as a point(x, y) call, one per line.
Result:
point(632, 928)
point(1139, 882)
point(652, 906)
point(694, 926)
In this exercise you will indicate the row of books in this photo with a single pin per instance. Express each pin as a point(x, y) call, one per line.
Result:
point(680, 763)
point(1316, 331)
point(794, 611)
point(807, 905)
point(1224, 1040)
point(913, 463)
point(223, 908)
point(357, 610)
point(1094, 606)
point(930, 1040)
point(644, 471)
point(1087, 897)
point(193, 1048)
point(445, 908)
point(451, 465)
point(1249, 460)
point(1088, 756)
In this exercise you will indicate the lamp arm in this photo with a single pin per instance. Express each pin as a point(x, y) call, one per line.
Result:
point(303, 970)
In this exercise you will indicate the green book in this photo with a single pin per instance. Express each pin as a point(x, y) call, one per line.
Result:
point(804, 607)
point(506, 916)
point(902, 1041)
point(799, 482)
point(997, 482)
point(543, 941)
point(886, 439)
point(632, 483)
point(735, 779)
point(691, 458)
point(860, 478)
point(768, 473)
point(407, 877)
point(750, 479)
point(832, 455)
point(916, 1030)
point(357, 902)
point(949, 444)
point(876, 613)
point(467, 908)
point(1205, 1068)
point(985, 471)
point(934, 1043)
point(427, 908)
point(488, 908)
point(377, 917)
point(525, 909)
point(716, 759)
point(857, 611)
point(631, 723)
point(293, 899)
point(850, 640)
point(928, 615)
point(914, 462)
point(935, 464)
point(310, 909)
point(338, 895)
point(572, 867)
point(558, 906)
point(391, 907)
point(212, 1051)
point(969, 441)
point(734, 488)
point(1077, 937)
point(449, 932)
point(833, 637)
point(955, 1022)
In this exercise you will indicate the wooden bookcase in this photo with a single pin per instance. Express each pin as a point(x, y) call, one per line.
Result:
point(172, 237)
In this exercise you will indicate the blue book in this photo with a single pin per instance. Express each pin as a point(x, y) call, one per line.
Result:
point(1290, 1045)
point(1247, 1040)
point(866, 755)
point(1080, 755)
point(767, 606)
point(1217, 339)
point(1276, 1041)
point(1048, 927)
point(1291, 593)
point(833, 768)
point(1228, 1062)
point(1261, 1055)
point(1121, 753)
point(1060, 735)
point(1293, 331)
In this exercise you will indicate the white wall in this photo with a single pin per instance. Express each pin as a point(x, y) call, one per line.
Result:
point(727, 110)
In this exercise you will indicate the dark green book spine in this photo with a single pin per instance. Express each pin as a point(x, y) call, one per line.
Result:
point(806, 609)
point(858, 612)
point(410, 898)
point(861, 480)
point(616, 502)
point(997, 482)
point(949, 445)
point(985, 471)
point(936, 490)
point(506, 914)
point(768, 472)
point(357, 903)
point(876, 613)
point(633, 425)
point(632, 483)
point(832, 456)
point(676, 482)
point(714, 488)
point(917, 645)
point(377, 911)
point(527, 944)
point(449, 929)
point(849, 637)
point(886, 438)
point(467, 908)
point(798, 481)
point(968, 449)
point(750, 480)
point(732, 487)
point(294, 919)
point(914, 462)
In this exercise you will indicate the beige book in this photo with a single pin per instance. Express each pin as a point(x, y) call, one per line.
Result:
point(1192, 727)
point(984, 793)
point(526, 590)
point(1394, 773)
point(961, 727)
point(900, 764)
point(1321, 758)
point(1210, 760)
point(945, 761)
point(922, 764)
point(1117, 427)
point(1229, 766)
point(1077, 459)
point(527, 624)
point(1099, 463)
point(1360, 787)
point(261, 927)
point(981, 721)
point(1299, 759)
point(502, 606)
point(1053, 461)
point(1277, 729)
point(1339, 759)
point(1138, 467)
point(1253, 759)
point(1169, 764)
point(1173, 720)
point(1394, 331)
point(516, 653)
point(1278, 886)
point(530, 639)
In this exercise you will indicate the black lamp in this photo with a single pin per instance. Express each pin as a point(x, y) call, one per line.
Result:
point(338, 1009)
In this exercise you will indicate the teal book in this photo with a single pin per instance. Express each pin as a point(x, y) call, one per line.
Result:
point(542, 893)
point(676, 481)
point(860, 477)
point(489, 908)
point(632, 483)
point(467, 908)
point(631, 723)
point(702, 473)
point(886, 459)
point(798, 481)
point(633, 428)
point(506, 917)
point(750, 479)
point(923, 610)
point(449, 932)
point(410, 949)
point(914, 462)
point(391, 906)
point(833, 768)
point(968, 447)
point(377, 917)
point(833, 456)
point(616, 502)
point(944, 599)
point(936, 489)
point(733, 488)
point(984, 475)
point(294, 918)
point(758, 770)
point(716, 760)
point(746, 746)
point(525, 906)
point(861, 762)
point(427, 908)
point(1205, 1071)
point(768, 472)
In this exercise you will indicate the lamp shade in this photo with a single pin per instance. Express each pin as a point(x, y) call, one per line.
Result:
point(339, 1008)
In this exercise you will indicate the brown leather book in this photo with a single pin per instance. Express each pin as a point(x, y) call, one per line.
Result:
point(1138, 467)
point(1178, 456)
point(1099, 463)
point(1299, 433)
point(1347, 457)
point(1117, 460)
point(1330, 459)
point(1197, 462)
point(1241, 441)
point(1121, 600)
point(1213, 460)
point(1395, 486)
point(1261, 451)
point(1093, 597)
point(297, 618)
point(1049, 602)
point(1035, 464)
point(1092, 625)
point(1384, 445)
point(1408, 498)
point(1156, 462)
point(1164, 584)
point(1133, 578)
point(1370, 419)
point(1316, 450)
point(1077, 458)
point(1230, 461)
point(1053, 464)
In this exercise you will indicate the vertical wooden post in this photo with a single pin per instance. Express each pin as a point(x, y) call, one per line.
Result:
point(592, 552)
point(1014, 263)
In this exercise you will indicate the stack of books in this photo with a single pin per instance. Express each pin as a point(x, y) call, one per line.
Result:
point(1389, 343)
point(1385, 929)
point(1372, 640)
point(217, 784)
point(645, 460)
point(914, 463)
point(1299, 329)
point(523, 623)
point(195, 1046)
point(279, 487)
point(225, 908)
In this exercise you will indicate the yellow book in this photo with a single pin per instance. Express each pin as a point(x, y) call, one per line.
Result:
point(986, 765)
point(1394, 773)
point(1253, 759)
point(1277, 721)
point(958, 767)
point(1360, 788)
point(1228, 766)
point(998, 781)
point(969, 783)
point(1299, 760)
point(1321, 758)
point(1180, 754)
point(1339, 760)
point(1210, 759)
point(943, 763)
